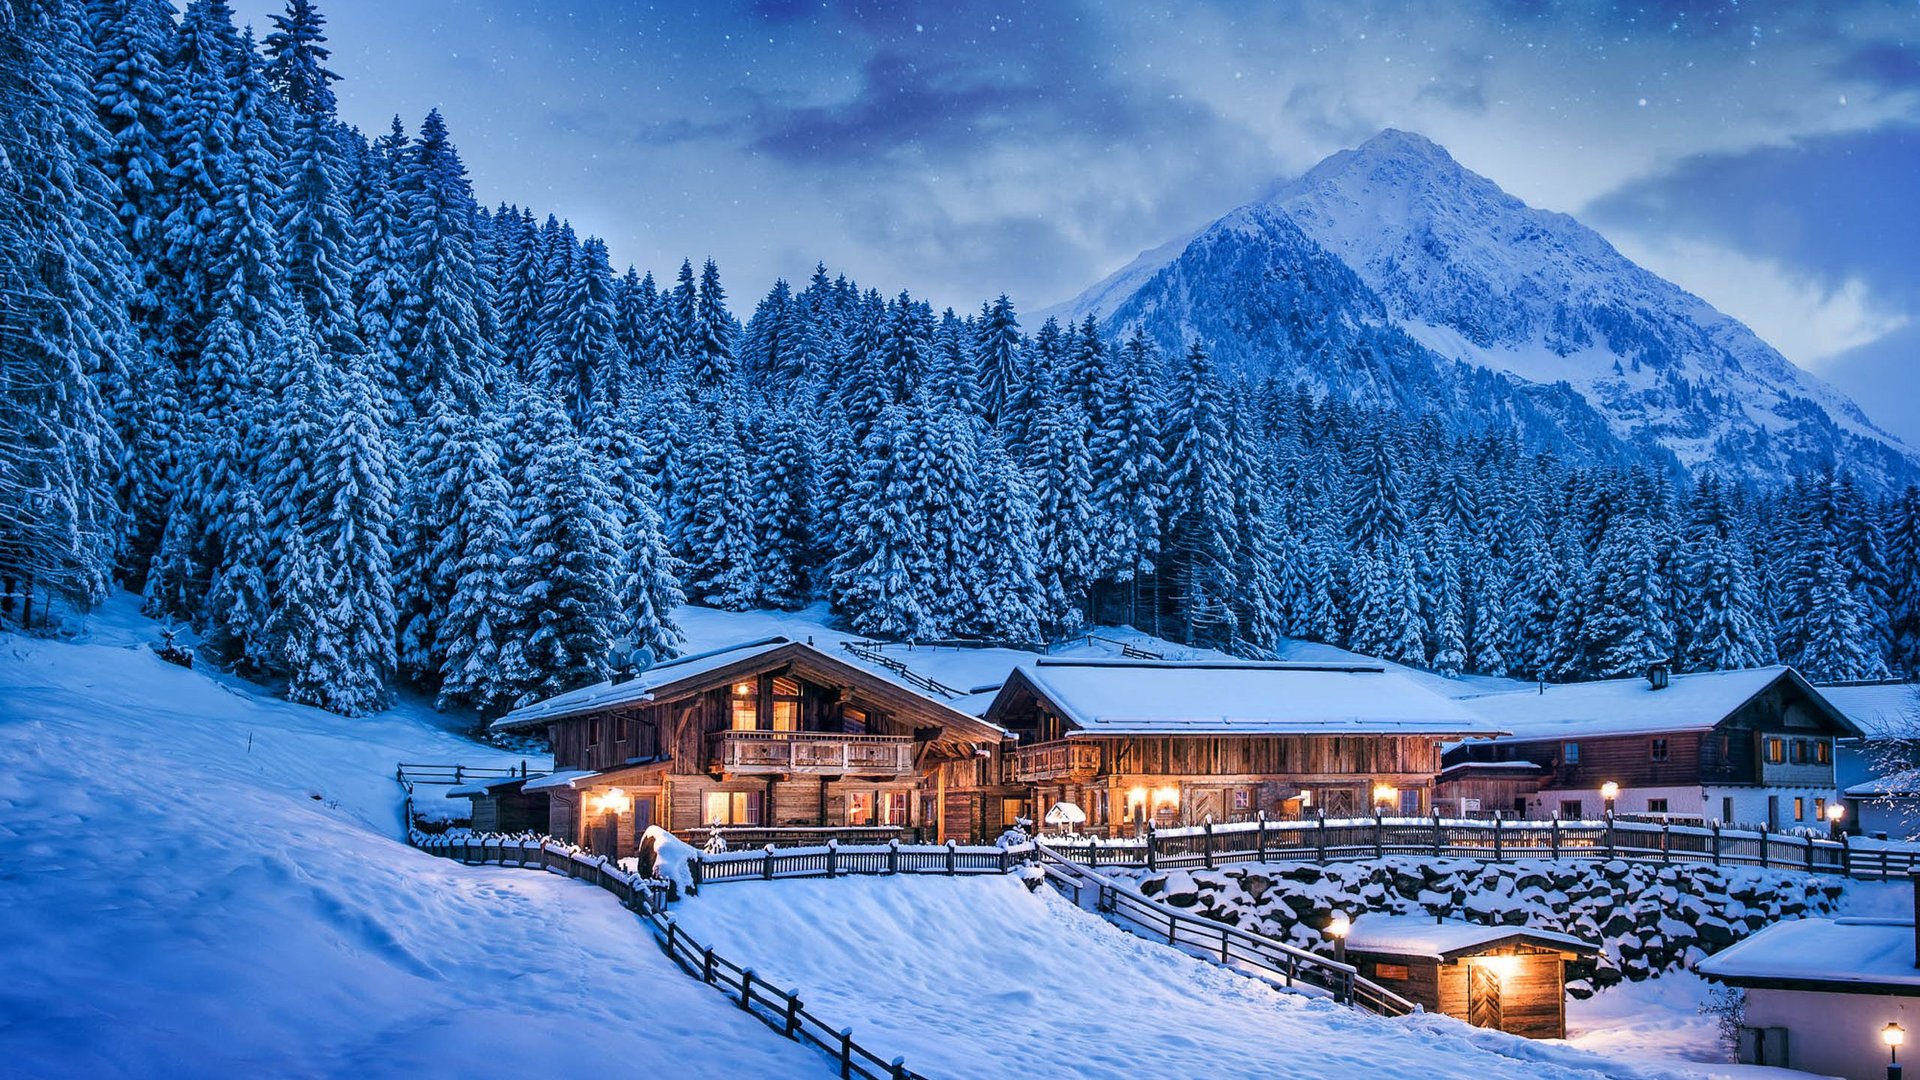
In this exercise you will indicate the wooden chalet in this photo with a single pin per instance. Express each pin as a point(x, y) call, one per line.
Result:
point(1746, 747)
point(1507, 977)
point(771, 740)
point(1179, 742)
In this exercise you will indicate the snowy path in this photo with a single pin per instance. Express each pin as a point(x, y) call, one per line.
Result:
point(977, 977)
point(175, 903)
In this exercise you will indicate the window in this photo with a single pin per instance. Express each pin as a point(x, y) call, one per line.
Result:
point(859, 807)
point(620, 727)
point(1797, 751)
point(896, 809)
point(1726, 809)
point(1010, 812)
point(593, 732)
point(1098, 814)
point(1776, 750)
point(1570, 753)
point(1823, 753)
point(853, 720)
point(1819, 809)
point(746, 706)
point(1572, 809)
point(1799, 808)
point(786, 704)
point(1656, 806)
point(1242, 798)
point(1390, 972)
point(733, 807)
point(1657, 749)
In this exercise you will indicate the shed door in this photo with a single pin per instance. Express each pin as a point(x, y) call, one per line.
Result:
point(1483, 997)
point(606, 835)
point(642, 815)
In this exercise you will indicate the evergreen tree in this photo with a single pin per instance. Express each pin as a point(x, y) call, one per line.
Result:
point(1199, 550)
point(998, 346)
point(440, 347)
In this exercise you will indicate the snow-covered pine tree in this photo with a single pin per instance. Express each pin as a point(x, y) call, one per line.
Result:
point(564, 573)
point(1199, 550)
point(1835, 638)
point(650, 585)
point(1722, 628)
point(783, 497)
point(1002, 577)
point(710, 338)
point(1129, 473)
point(997, 345)
point(441, 350)
point(1062, 481)
point(874, 580)
point(579, 359)
point(469, 635)
point(719, 532)
point(1903, 564)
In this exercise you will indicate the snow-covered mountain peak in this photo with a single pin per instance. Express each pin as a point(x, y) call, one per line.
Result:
point(1454, 269)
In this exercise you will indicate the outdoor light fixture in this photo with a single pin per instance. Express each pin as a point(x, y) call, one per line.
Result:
point(1338, 929)
point(1383, 795)
point(1835, 812)
point(1502, 967)
point(1609, 791)
point(1893, 1035)
point(1166, 796)
point(611, 801)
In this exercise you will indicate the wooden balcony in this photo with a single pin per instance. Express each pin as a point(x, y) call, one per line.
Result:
point(1059, 761)
point(812, 753)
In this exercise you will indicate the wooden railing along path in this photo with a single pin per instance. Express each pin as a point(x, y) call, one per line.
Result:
point(781, 1010)
point(1330, 839)
point(1288, 965)
point(450, 775)
point(869, 651)
point(833, 859)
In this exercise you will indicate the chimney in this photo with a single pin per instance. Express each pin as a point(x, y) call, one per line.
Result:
point(1657, 674)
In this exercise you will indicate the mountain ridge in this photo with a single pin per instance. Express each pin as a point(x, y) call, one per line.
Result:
point(1433, 273)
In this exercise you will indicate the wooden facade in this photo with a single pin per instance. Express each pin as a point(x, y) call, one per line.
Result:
point(1514, 981)
point(781, 737)
point(1780, 737)
point(1123, 782)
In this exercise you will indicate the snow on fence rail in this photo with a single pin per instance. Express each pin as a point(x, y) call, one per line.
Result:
point(834, 859)
point(449, 775)
point(781, 1010)
point(1234, 946)
point(1327, 839)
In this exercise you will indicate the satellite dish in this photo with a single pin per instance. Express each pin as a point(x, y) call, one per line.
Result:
point(642, 658)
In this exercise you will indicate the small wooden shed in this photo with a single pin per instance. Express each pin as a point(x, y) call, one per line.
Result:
point(1508, 977)
point(503, 805)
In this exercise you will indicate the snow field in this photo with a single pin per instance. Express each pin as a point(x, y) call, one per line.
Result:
point(980, 978)
point(179, 903)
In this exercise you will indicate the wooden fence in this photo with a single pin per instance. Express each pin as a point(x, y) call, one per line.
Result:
point(836, 860)
point(1286, 964)
point(781, 1010)
point(444, 775)
point(1329, 839)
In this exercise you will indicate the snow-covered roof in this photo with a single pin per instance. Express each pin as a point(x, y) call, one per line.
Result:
point(1631, 706)
point(1168, 697)
point(638, 689)
point(1514, 767)
point(1903, 783)
point(1417, 935)
point(1863, 955)
point(563, 778)
point(481, 787)
point(1878, 708)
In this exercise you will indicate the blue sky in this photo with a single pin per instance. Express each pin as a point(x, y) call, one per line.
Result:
point(1765, 156)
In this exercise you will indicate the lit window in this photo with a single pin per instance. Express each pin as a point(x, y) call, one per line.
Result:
point(1776, 750)
point(1819, 809)
point(786, 704)
point(746, 706)
point(1823, 753)
point(733, 807)
point(1799, 808)
point(859, 807)
point(1391, 972)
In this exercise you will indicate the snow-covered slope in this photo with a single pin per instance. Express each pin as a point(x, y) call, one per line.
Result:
point(1390, 268)
point(977, 977)
point(197, 881)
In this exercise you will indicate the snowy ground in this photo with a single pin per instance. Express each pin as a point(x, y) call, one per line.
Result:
point(199, 881)
point(976, 977)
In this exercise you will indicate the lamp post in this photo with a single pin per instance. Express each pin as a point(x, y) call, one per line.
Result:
point(1338, 929)
point(1893, 1035)
point(1609, 791)
point(1834, 813)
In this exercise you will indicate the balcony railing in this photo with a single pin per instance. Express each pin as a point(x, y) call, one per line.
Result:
point(1073, 762)
point(826, 753)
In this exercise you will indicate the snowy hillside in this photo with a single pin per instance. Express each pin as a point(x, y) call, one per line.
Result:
point(202, 881)
point(1390, 267)
point(934, 965)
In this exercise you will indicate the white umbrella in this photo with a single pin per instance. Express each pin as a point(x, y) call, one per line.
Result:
point(1065, 813)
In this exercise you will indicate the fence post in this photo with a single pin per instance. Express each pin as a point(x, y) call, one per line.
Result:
point(899, 1068)
point(1152, 858)
point(1716, 843)
point(833, 852)
point(1498, 852)
point(950, 858)
point(1763, 845)
point(1609, 834)
point(1207, 848)
point(699, 873)
point(1809, 854)
point(1666, 841)
point(1003, 860)
point(1439, 837)
point(1553, 835)
point(1261, 831)
point(846, 1053)
point(746, 990)
point(893, 855)
point(766, 863)
point(793, 1012)
point(1320, 835)
point(706, 965)
point(1846, 856)
point(1379, 840)
point(673, 928)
